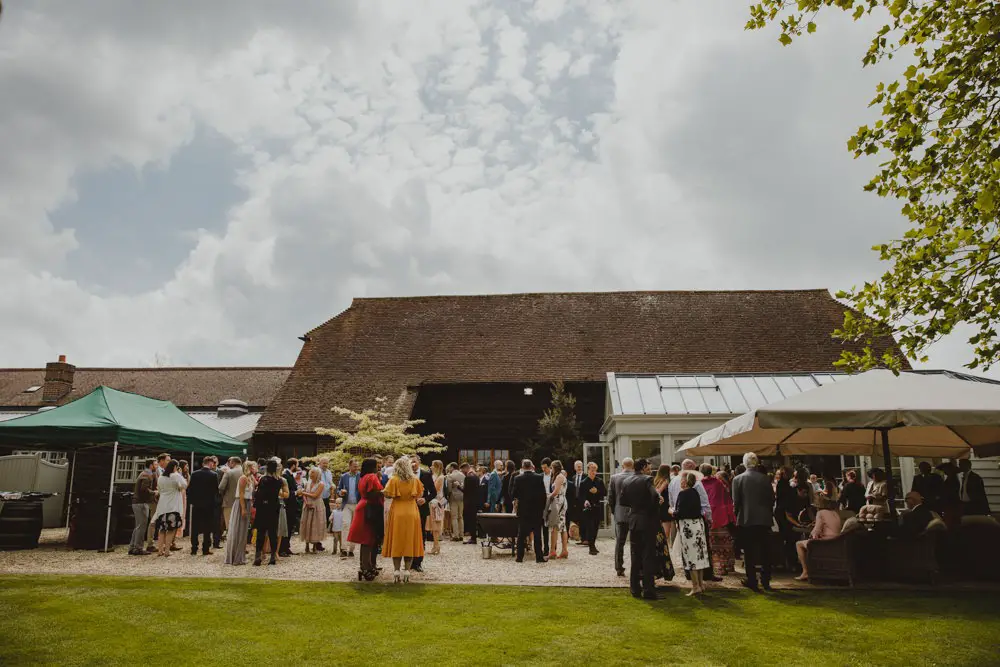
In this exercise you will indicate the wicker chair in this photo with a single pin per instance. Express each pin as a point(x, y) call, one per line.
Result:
point(835, 559)
point(916, 558)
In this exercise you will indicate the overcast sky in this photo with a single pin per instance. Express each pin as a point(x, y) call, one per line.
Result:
point(205, 181)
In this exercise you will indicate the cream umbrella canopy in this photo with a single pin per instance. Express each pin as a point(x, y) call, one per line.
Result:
point(877, 412)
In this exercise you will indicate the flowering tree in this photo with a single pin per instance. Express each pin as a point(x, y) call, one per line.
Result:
point(375, 433)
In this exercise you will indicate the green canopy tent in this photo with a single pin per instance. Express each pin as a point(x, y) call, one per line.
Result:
point(107, 415)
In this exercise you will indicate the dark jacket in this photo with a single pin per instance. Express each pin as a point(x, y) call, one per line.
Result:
point(203, 489)
point(929, 487)
point(595, 498)
point(427, 479)
point(615, 487)
point(528, 489)
point(914, 522)
point(978, 502)
point(639, 497)
point(852, 496)
point(471, 491)
point(688, 505)
point(753, 499)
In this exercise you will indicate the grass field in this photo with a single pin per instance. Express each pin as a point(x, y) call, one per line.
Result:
point(102, 620)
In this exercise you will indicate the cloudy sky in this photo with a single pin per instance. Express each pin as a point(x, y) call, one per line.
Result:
point(201, 183)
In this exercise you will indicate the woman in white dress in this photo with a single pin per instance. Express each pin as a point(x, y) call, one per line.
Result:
point(239, 517)
point(555, 511)
point(169, 507)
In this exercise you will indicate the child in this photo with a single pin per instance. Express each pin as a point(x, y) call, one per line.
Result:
point(336, 524)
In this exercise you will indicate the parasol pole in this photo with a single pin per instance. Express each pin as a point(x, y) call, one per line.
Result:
point(111, 495)
point(69, 497)
point(887, 457)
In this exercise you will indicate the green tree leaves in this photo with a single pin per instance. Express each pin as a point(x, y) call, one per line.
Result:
point(939, 142)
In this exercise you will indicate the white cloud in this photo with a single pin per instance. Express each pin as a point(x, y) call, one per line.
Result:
point(404, 148)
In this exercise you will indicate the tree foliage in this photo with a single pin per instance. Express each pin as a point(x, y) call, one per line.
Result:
point(376, 433)
point(558, 429)
point(938, 140)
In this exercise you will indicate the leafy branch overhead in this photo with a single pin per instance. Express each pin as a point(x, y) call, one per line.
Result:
point(375, 432)
point(938, 142)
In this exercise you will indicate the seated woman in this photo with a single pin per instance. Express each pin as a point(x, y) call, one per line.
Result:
point(876, 497)
point(827, 527)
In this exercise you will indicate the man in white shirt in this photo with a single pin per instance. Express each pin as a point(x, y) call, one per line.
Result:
point(326, 476)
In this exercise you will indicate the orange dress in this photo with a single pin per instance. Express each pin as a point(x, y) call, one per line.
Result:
point(403, 534)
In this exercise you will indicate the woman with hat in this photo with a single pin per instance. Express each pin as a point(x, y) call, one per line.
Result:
point(827, 527)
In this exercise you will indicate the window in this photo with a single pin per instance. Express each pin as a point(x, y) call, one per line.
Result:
point(128, 468)
point(484, 457)
point(649, 450)
point(51, 457)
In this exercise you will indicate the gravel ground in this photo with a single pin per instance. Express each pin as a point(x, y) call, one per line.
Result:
point(456, 564)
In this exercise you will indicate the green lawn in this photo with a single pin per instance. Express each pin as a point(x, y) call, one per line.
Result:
point(104, 620)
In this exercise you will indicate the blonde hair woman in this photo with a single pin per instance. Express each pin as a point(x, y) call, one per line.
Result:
point(435, 520)
point(239, 517)
point(403, 535)
point(312, 526)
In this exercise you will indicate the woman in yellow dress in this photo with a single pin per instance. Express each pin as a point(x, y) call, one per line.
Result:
point(403, 536)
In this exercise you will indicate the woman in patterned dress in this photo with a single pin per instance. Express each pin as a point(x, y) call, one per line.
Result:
point(691, 532)
point(555, 513)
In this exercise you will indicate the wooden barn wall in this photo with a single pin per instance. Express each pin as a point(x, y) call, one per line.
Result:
point(500, 416)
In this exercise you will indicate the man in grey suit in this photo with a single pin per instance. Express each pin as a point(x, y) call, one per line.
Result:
point(228, 486)
point(621, 512)
point(753, 500)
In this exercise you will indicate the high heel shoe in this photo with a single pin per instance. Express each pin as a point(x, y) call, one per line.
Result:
point(436, 550)
point(564, 554)
point(396, 577)
point(553, 555)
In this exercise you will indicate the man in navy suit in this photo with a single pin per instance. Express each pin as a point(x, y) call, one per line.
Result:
point(423, 505)
point(201, 494)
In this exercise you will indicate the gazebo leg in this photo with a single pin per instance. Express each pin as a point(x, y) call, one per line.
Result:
point(111, 495)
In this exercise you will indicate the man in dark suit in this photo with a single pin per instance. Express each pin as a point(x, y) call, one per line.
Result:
point(573, 504)
point(291, 506)
point(972, 490)
point(427, 479)
point(590, 497)
point(528, 492)
point(640, 497)
point(913, 522)
point(201, 495)
point(471, 501)
point(220, 527)
point(620, 512)
point(929, 486)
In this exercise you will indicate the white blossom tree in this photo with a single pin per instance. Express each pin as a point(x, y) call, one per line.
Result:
point(376, 433)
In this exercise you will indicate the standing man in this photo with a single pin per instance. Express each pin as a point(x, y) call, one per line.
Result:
point(220, 527)
point(573, 510)
point(228, 485)
point(639, 496)
point(143, 497)
point(325, 476)
point(292, 509)
point(592, 491)
point(456, 500)
point(471, 492)
point(347, 491)
point(972, 490)
point(620, 512)
point(201, 495)
point(423, 505)
point(529, 494)
point(494, 486)
point(753, 500)
point(927, 484)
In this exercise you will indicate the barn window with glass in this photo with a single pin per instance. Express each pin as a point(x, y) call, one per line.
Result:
point(128, 468)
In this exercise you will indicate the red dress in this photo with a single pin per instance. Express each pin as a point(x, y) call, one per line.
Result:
point(362, 531)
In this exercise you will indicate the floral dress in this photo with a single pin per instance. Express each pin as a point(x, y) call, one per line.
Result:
point(555, 512)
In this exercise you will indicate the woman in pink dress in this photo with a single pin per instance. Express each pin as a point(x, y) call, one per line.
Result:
point(720, 537)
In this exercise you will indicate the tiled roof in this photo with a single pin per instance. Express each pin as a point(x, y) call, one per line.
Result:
point(388, 347)
point(185, 387)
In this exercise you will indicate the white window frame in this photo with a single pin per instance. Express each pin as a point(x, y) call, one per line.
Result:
point(50, 456)
point(127, 468)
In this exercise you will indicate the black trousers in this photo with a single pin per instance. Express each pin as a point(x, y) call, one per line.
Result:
point(204, 523)
point(621, 534)
point(755, 553)
point(217, 522)
point(588, 525)
point(642, 570)
point(266, 524)
point(418, 561)
point(545, 539)
point(525, 528)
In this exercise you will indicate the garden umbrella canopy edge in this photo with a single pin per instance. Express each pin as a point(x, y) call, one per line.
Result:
point(107, 415)
point(926, 416)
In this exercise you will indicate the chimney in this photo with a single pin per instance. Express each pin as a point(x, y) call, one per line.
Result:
point(230, 408)
point(58, 380)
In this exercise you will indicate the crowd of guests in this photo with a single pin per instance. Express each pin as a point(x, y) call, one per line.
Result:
point(685, 517)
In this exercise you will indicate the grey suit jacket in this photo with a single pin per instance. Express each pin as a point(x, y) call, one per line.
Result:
point(753, 499)
point(615, 493)
point(229, 485)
